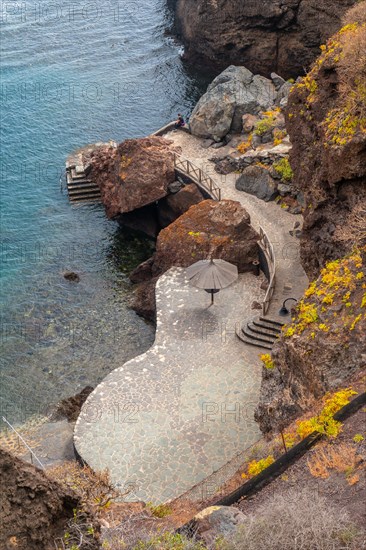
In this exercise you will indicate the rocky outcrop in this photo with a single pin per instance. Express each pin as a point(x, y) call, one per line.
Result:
point(34, 511)
point(326, 121)
point(70, 406)
point(218, 229)
point(135, 174)
point(264, 35)
point(322, 349)
point(232, 94)
point(175, 204)
point(138, 185)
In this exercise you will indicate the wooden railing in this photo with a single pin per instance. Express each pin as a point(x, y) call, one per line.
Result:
point(186, 168)
point(267, 248)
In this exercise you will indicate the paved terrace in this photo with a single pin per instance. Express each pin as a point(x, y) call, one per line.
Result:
point(169, 418)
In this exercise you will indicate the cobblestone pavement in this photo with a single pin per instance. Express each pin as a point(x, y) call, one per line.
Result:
point(167, 419)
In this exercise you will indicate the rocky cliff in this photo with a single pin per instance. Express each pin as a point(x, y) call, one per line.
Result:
point(326, 121)
point(264, 35)
point(324, 346)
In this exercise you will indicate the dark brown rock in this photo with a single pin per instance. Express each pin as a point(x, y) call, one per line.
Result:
point(34, 511)
point(220, 229)
point(143, 300)
point(263, 35)
point(135, 174)
point(330, 171)
point(143, 272)
point(70, 407)
point(173, 206)
point(142, 220)
point(71, 276)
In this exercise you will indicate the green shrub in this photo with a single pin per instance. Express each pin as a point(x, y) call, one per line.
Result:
point(263, 126)
point(284, 169)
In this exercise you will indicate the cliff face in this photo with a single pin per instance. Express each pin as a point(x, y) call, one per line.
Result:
point(326, 121)
point(263, 35)
point(322, 349)
point(324, 346)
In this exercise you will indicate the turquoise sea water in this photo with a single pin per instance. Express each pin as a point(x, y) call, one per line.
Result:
point(73, 74)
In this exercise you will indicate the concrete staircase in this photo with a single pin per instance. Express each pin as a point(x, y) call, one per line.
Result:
point(261, 332)
point(79, 187)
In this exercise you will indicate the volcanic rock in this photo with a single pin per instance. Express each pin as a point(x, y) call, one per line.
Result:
point(135, 174)
point(173, 206)
point(257, 181)
point(263, 35)
point(233, 93)
point(220, 229)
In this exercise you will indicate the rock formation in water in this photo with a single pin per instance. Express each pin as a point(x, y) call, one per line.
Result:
point(264, 35)
point(324, 346)
point(137, 183)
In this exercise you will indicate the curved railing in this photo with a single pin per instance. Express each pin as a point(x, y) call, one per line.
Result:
point(169, 127)
point(186, 168)
point(268, 252)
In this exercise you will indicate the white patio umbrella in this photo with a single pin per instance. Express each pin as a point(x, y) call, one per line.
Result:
point(212, 275)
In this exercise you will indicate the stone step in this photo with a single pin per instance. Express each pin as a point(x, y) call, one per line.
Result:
point(271, 323)
point(251, 342)
point(85, 196)
point(260, 325)
point(83, 187)
point(263, 330)
point(269, 340)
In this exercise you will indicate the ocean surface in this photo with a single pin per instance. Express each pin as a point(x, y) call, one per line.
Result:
point(72, 74)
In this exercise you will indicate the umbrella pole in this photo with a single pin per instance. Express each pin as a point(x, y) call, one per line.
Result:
point(212, 297)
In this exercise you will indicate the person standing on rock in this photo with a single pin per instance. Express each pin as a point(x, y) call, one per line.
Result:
point(180, 122)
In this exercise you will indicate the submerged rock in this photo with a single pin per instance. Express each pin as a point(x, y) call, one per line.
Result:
point(71, 276)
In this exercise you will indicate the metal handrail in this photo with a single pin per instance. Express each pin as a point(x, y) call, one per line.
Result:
point(196, 173)
point(269, 252)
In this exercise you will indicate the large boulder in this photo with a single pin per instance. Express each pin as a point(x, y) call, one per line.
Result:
point(218, 229)
point(135, 174)
point(174, 205)
point(232, 94)
point(257, 181)
point(209, 228)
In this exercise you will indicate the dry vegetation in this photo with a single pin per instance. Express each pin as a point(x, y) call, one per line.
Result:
point(296, 519)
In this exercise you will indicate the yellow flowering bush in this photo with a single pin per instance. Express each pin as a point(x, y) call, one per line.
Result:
point(256, 467)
